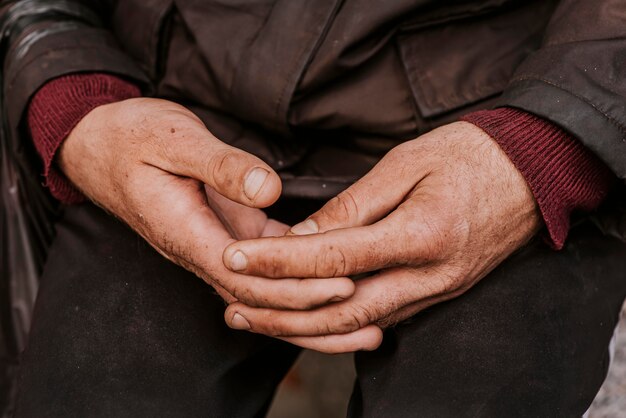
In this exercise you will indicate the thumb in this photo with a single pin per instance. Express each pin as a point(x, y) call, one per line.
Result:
point(233, 173)
point(368, 200)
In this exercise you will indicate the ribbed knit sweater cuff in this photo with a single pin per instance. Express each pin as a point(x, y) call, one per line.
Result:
point(563, 175)
point(58, 107)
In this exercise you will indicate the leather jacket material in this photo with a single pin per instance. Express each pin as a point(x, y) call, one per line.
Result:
point(352, 76)
point(318, 89)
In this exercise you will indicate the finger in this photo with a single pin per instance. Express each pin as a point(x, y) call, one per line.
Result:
point(242, 222)
point(197, 242)
point(335, 253)
point(406, 236)
point(287, 293)
point(273, 228)
point(364, 339)
point(194, 152)
point(295, 294)
point(376, 298)
point(369, 199)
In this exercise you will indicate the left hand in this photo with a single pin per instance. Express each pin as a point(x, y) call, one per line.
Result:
point(433, 217)
point(147, 161)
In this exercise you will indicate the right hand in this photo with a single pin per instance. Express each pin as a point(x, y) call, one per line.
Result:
point(148, 161)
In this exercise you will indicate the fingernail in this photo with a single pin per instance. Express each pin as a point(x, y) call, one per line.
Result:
point(254, 182)
point(239, 322)
point(336, 299)
point(238, 261)
point(305, 228)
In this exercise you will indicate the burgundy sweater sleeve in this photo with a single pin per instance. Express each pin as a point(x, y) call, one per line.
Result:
point(58, 107)
point(563, 175)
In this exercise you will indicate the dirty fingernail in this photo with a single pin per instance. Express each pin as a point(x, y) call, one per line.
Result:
point(238, 261)
point(305, 228)
point(239, 322)
point(254, 182)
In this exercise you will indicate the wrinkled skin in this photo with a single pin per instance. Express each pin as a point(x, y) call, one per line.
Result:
point(431, 219)
point(147, 161)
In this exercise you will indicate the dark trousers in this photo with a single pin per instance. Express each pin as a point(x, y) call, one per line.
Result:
point(120, 332)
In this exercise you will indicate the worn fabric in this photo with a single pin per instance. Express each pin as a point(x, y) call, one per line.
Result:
point(121, 332)
point(315, 79)
point(502, 350)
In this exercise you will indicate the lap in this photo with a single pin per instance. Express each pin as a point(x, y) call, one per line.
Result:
point(531, 339)
point(120, 331)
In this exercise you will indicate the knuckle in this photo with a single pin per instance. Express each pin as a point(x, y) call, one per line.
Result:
point(332, 262)
point(399, 151)
point(344, 208)
point(350, 319)
point(405, 154)
point(431, 236)
point(219, 167)
point(436, 242)
point(272, 328)
point(298, 299)
point(444, 284)
point(457, 279)
point(292, 299)
point(273, 265)
point(345, 322)
point(242, 293)
point(445, 281)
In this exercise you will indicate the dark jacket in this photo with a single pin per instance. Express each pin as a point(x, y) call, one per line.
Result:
point(322, 89)
point(287, 78)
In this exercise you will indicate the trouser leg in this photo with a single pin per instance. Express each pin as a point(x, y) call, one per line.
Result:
point(119, 331)
point(529, 340)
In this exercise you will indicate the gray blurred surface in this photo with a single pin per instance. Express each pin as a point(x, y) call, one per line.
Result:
point(318, 386)
point(611, 401)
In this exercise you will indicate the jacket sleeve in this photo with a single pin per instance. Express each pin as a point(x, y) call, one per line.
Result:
point(57, 108)
point(577, 79)
point(45, 39)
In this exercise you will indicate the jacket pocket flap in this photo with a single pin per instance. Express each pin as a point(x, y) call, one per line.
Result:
point(455, 64)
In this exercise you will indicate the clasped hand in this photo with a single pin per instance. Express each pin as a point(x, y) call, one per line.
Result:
point(154, 165)
point(432, 218)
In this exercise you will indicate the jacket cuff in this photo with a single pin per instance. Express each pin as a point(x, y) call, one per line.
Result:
point(563, 175)
point(58, 107)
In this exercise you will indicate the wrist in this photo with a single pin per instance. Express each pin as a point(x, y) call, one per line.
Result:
point(563, 175)
point(55, 111)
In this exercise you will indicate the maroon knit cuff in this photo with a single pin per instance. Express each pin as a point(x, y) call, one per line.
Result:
point(58, 107)
point(563, 175)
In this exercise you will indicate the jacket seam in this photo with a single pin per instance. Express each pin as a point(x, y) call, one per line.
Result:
point(612, 120)
point(581, 41)
point(21, 68)
point(312, 50)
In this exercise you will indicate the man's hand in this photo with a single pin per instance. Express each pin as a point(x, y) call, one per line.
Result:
point(147, 161)
point(431, 219)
